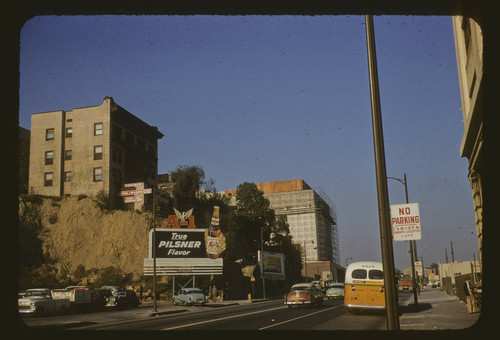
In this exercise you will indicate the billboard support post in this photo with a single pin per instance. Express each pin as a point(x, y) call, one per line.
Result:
point(155, 309)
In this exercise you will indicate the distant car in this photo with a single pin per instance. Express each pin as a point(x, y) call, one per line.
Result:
point(304, 294)
point(125, 299)
point(190, 296)
point(117, 297)
point(113, 288)
point(335, 291)
point(318, 285)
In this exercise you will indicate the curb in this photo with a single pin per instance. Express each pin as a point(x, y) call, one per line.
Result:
point(167, 312)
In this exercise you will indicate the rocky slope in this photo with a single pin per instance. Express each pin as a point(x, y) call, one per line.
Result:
point(78, 232)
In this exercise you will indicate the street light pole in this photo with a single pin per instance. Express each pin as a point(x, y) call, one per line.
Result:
point(305, 256)
point(261, 268)
point(412, 243)
point(382, 194)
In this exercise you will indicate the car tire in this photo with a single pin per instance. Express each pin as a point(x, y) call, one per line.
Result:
point(39, 312)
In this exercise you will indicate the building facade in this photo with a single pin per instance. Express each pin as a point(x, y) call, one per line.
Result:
point(469, 51)
point(90, 150)
point(312, 219)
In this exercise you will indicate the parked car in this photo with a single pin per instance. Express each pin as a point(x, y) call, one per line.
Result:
point(113, 288)
point(125, 299)
point(190, 296)
point(105, 295)
point(335, 291)
point(303, 294)
point(39, 301)
point(117, 297)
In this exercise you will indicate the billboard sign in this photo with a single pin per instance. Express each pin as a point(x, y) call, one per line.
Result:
point(272, 265)
point(178, 243)
point(405, 220)
point(181, 252)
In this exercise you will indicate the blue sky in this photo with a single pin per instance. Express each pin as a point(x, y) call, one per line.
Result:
point(270, 98)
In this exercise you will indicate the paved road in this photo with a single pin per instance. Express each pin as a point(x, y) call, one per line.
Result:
point(435, 311)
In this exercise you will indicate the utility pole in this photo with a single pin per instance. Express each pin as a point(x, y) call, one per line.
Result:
point(382, 194)
point(412, 245)
point(452, 253)
point(446, 254)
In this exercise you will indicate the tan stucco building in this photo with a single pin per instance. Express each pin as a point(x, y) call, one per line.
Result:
point(91, 149)
point(469, 50)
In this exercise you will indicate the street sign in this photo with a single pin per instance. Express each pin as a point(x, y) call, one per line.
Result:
point(136, 192)
point(418, 268)
point(135, 185)
point(405, 220)
point(131, 199)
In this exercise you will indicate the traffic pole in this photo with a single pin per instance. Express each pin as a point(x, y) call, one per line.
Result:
point(382, 192)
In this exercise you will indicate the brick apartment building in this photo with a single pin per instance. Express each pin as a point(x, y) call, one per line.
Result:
point(89, 149)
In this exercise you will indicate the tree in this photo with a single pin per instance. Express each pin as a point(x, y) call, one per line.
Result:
point(253, 215)
point(435, 267)
point(187, 182)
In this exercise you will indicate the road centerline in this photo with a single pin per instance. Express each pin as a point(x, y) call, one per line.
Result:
point(224, 318)
point(297, 318)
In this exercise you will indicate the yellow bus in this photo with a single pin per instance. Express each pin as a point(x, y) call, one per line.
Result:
point(364, 286)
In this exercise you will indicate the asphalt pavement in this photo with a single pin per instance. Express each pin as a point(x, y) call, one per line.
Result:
point(435, 310)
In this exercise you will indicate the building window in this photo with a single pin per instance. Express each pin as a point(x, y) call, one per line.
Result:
point(47, 181)
point(116, 155)
point(97, 174)
point(97, 129)
point(68, 155)
point(117, 131)
point(69, 132)
point(67, 176)
point(49, 157)
point(129, 138)
point(97, 152)
point(49, 134)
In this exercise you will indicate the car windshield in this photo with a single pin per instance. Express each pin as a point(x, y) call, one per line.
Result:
point(35, 293)
point(194, 292)
point(294, 289)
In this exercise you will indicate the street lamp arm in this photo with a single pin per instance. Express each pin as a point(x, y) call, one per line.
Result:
point(397, 179)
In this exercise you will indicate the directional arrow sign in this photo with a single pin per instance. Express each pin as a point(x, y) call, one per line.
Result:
point(130, 199)
point(137, 192)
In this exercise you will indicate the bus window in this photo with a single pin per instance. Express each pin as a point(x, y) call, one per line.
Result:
point(359, 274)
point(376, 274)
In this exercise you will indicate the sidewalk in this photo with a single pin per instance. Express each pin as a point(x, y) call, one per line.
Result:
point(435, 311)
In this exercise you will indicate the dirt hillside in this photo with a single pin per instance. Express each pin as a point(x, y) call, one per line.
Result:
point(79, 232)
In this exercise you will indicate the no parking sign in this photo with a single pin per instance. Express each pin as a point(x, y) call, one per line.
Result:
point(405, 220)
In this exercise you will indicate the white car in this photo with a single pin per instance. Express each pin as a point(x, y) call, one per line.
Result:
point(39, 301)
point(190, 296)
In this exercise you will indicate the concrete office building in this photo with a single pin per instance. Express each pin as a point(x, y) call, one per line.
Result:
point(312, 218)
point(91, 149)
